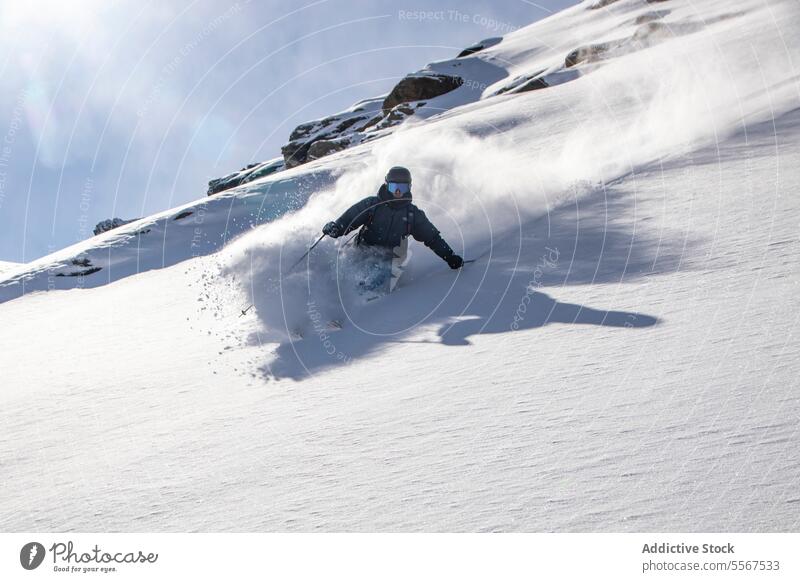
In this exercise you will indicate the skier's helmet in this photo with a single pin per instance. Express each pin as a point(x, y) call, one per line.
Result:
point(398, 174)
point(398, 181)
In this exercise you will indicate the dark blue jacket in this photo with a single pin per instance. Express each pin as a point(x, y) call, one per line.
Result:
point(386, 221)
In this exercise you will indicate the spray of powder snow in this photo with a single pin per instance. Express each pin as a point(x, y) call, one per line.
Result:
point(477, 186)
point(456, 183)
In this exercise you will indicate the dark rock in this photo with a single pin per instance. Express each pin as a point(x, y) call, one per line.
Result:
point(479, 46)
point(517, 82)
point(333, 128)
point(305, 129)
point(110, 224)
point(348, 123)
point(247, 174)
point(420, 86)
point(80, 273)
point(649, 32)
point(470, 50)
point(398, 114)
point(261, 170)
point(183, 214)
point(323, 147)
point(295, 152)
point(315, 139)
point(588, 53)
point(220, 184)
point(531, 85)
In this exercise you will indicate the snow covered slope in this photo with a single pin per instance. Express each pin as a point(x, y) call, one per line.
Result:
point(622, 355)
point(6, 266)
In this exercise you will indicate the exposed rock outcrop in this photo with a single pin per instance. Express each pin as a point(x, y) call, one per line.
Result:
point(479, 46)
point(80, 262)
point(365, 120)
point(324, 147)
point(247, 174)
point(651, 30)
point(522, 83)
point(322, 137)
point(110, 224)
point(398, 114)
point(341, 129)
point(587, 54)
point(420, 86)
point(80, 273)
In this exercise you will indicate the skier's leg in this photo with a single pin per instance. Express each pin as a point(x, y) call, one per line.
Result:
point(399, 260)
point(376, 272)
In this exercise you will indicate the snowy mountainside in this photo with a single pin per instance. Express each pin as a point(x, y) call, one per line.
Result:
point(620, 357)
point(8, 266)
point(493, 167)
point(536, 54)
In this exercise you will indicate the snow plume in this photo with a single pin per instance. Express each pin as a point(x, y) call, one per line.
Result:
point(452, 183)
point(688, 92)
point(487, 172)
point(289, 298)
point(471, 187)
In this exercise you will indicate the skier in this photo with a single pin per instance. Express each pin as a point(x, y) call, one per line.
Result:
point(386, 220)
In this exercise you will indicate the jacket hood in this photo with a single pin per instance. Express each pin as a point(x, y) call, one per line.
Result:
point(385, 196)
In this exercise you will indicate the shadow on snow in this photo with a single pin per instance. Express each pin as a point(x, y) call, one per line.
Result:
point(591, 240)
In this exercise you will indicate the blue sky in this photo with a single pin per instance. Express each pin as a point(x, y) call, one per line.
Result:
point(124, 108)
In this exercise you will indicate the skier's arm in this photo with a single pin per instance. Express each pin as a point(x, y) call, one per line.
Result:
point(426, 233)
point(355, 216)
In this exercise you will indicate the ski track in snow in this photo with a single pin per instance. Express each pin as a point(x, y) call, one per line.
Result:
point(622, 359)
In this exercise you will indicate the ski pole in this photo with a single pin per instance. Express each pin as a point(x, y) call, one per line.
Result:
point(305, 254)
point(480, 256)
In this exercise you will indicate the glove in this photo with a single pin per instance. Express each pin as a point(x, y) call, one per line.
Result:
point(455, 261)
point(331, 229)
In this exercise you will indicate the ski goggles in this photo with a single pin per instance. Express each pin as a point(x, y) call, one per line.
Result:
point(393, 187)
